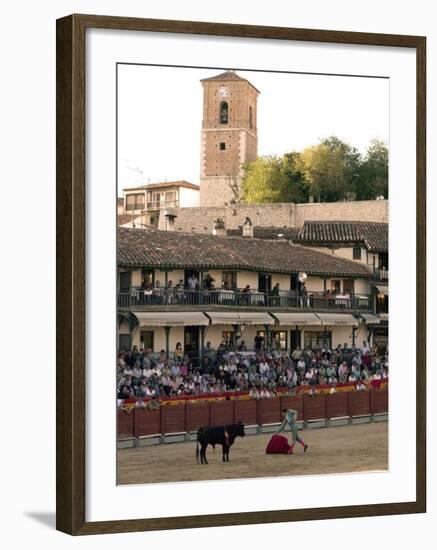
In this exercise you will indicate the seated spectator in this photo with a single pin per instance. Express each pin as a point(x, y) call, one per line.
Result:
point(264, 393)
point(242, 346)
point(153, 404)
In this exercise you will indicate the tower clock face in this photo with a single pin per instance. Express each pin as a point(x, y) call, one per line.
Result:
point(223, 91)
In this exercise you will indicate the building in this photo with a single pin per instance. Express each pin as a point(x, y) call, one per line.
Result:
point(144, 205)
point(364, 242)
point(229, 136)
point(192, 289)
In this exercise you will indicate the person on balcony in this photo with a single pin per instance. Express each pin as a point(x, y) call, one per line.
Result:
point(329, 298)
point(170, 293)
point(304, 298)
point(179, 292)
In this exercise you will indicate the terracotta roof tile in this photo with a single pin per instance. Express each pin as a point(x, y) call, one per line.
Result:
point(154, 248)
point(373, 235)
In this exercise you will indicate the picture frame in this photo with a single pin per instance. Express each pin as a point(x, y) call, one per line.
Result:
point(71, 409)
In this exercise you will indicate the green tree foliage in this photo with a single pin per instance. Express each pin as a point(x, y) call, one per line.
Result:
point(329, 171)
point(274, 179)
point(373, 178)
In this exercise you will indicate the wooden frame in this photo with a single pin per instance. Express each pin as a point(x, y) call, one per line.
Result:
point(70, 173)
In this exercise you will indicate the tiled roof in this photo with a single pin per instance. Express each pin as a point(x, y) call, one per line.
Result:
point(373, 235)
point(164, 184)
point(272, 233)
point(227, 76)
point(170, 249)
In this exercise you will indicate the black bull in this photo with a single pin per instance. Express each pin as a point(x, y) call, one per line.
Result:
point(217, 435)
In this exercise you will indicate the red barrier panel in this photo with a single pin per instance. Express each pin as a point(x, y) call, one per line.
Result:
point(269, 410)
point(172, 419)
point(379, 401)
point(337, 405)
point(314, 407)
point(222, 412)
point(359, 403)
point(197, 415)
point(295, 402)
point(147, 422)
point(125, 423)
point(246, 411)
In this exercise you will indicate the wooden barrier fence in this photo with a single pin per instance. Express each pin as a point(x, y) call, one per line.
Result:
point(188, 417)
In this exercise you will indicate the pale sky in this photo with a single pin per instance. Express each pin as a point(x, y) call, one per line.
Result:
point(160, 117)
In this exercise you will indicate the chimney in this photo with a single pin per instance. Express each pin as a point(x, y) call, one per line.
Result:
point(219, 228)
point(167, 219)
point(248, 228)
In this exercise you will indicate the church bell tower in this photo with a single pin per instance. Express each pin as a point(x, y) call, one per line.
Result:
point(229, 136)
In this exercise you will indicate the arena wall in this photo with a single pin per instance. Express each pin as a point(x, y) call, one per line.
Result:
point(186, 417)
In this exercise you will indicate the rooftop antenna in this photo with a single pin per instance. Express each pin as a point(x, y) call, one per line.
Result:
point(135, 169)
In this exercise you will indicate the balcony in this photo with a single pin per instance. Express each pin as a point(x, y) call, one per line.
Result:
point(380, 274)
point(161, 205)
point(139, 298)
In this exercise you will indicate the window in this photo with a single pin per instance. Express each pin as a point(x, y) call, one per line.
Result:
point(250, 118)
point(222, 146)
point(124, 281)
point(224, 113)
point(135, 201)
point(383, 260)
point(146, 339)
point(335, 286)
point(278, 340)
point(229, 280)
point(316, 339)
point(356, 253)
point(147, 278)
point(170, 198)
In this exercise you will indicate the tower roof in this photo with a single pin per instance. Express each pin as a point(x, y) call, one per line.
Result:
point(228, 76)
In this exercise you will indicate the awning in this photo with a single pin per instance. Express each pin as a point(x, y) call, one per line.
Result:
point(370, 319)
point(255, 318)
point(293, 319)
point(239, 318)
point(171, 319)
point(344, 319)
point(383, 289)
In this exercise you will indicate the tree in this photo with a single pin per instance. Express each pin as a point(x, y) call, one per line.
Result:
point(373, 173)
point(274, 179)
point(330, 169)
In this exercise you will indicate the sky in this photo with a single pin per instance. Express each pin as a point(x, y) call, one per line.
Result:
point(160, 117)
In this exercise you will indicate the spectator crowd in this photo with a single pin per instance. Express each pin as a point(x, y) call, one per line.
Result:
point(144, 374)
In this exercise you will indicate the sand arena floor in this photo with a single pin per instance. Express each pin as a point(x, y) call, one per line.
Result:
point(352, 448)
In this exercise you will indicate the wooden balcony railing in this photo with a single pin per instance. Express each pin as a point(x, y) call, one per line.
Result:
point(139, 297)
point(381, 274)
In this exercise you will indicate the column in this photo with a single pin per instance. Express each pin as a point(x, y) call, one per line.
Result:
point(167, 340)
